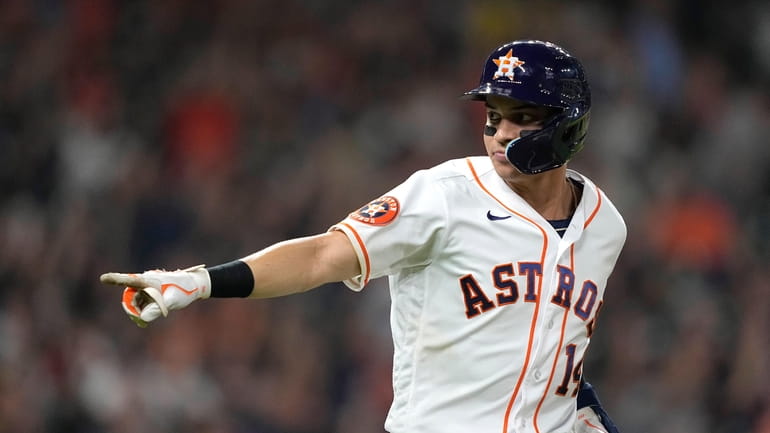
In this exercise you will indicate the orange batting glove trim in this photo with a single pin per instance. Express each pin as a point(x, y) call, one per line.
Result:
point(129, 306)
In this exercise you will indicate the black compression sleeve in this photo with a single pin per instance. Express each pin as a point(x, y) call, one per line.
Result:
point(231, 280)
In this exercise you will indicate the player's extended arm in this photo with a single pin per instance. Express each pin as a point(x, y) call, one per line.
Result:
point(302, 264)
point(284, 268)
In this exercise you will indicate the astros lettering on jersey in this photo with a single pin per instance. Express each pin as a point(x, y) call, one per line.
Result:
point(492, 311)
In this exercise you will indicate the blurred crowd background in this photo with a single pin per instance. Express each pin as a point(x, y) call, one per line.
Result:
point(145, 134)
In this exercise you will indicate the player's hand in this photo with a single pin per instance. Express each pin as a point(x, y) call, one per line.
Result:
point(588, 421)
point(152, 294)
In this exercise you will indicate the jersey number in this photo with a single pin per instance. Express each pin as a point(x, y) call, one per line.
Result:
point(572, 372)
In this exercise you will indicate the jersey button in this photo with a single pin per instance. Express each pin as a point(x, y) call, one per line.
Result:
point(536, 374)
point(549, 325)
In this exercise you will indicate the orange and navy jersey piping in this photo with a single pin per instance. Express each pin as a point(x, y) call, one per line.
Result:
point(536, 312)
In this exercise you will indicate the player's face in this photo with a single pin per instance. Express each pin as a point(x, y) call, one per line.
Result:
point(506, 118)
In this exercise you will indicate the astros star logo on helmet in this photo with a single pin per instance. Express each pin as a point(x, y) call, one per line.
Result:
point(506, 64)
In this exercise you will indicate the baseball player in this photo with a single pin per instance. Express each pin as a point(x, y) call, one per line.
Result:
point(497, 264)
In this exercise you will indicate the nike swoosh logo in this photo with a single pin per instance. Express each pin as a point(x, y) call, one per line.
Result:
point(187, 292)
point(495, 217)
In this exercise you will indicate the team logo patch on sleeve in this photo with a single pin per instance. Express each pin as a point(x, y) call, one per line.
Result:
point(378, 212)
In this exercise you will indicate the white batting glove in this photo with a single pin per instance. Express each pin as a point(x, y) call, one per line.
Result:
point(152, 294)
point(588, 421)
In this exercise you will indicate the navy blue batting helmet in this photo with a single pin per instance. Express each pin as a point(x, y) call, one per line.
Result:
point(543, 74)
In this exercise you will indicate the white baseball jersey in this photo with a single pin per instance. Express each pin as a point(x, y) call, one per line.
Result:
point(491, 311)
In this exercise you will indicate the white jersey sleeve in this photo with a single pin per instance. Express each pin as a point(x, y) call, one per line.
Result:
point(402, 229)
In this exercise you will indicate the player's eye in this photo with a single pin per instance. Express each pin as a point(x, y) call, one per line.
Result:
point(493, 118)
point(524, 118)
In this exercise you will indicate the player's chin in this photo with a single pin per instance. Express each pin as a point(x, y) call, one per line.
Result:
point(503, 167)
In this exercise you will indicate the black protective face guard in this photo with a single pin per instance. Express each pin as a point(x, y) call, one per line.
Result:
point(536, 151)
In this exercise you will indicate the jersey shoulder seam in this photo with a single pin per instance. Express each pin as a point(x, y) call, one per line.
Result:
point(453, 169)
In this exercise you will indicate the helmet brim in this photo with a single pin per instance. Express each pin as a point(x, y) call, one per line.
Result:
point(480, 93)
point(521, 94)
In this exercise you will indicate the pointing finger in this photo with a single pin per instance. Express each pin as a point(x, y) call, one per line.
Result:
point(119, 279)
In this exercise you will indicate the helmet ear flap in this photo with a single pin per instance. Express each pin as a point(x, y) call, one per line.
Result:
point(568, 126)
point(569, 132)
point(572, 130)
